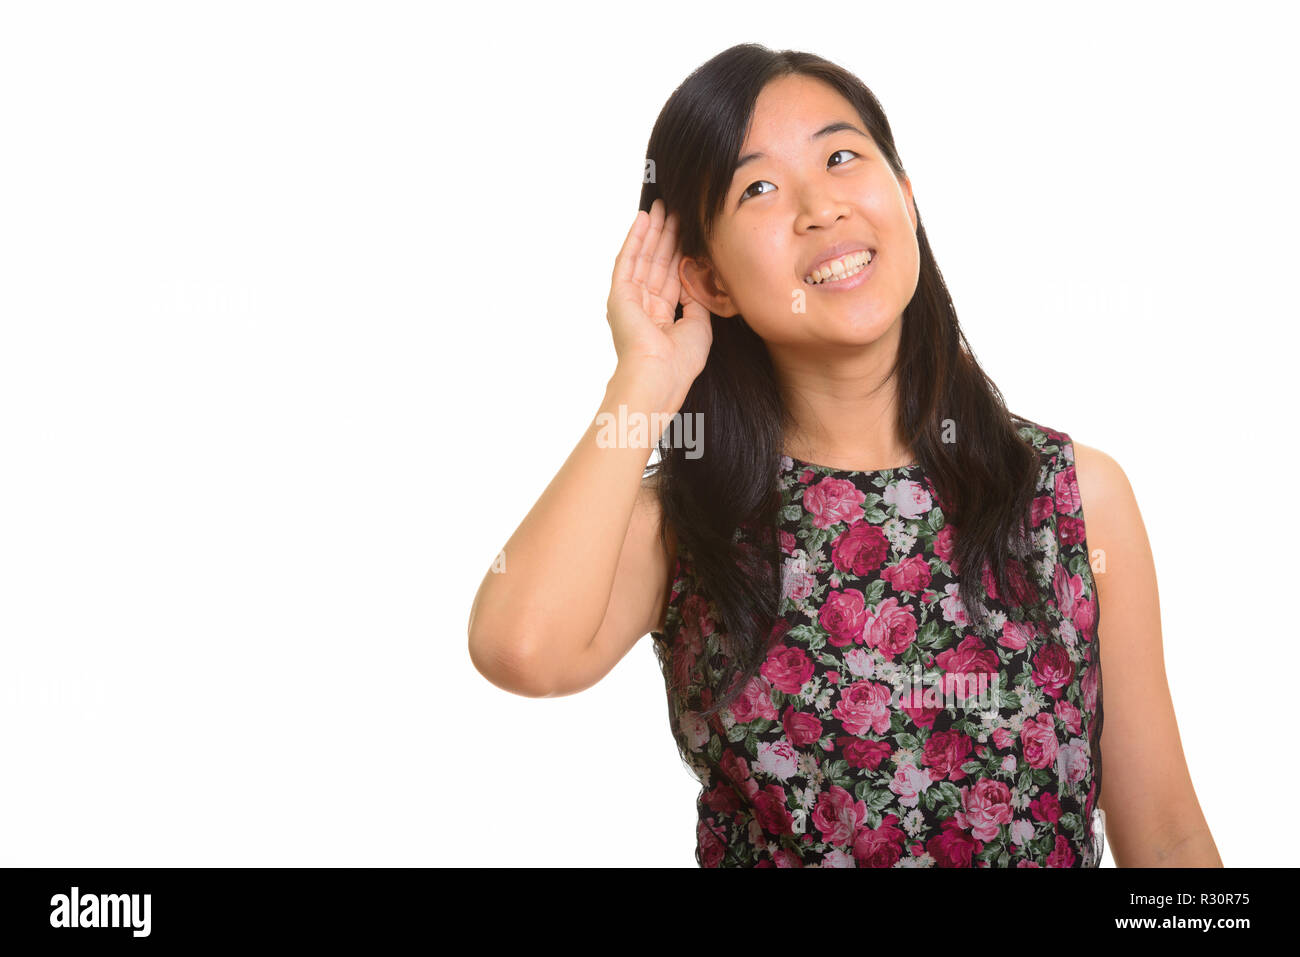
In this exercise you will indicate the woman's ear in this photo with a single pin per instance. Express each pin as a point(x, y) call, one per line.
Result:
point(700, 280)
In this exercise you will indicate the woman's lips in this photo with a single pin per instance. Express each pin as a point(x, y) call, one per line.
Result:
point(849, 282)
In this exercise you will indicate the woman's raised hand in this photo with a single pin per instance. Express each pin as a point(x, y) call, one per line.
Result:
point(643, 299)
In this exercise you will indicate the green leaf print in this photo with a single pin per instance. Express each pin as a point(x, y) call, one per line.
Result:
point(950, 792)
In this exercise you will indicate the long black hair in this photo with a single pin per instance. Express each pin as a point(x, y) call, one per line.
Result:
point(985, 482)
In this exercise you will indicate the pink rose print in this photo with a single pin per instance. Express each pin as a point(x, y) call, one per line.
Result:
point(1085, 615)
point(1072, 761)
point(910, 499)
point(953, 847)
point(864, 707)
point(1053, 669)
point(1038, 737)
point(985, 807)
point(879, 847)
point(1071, 530)
point(968, 658)
point(1067, 492)
point(944, 543)
point(861, 753)
point(1040, 509)
point(1046, 807)
point(770, 808)
point(797, 580)
point(844, 615)
point(908, 783)
point(712, 844)
point(837, 859)
point(754, 702)
point(779, 759)
point(953, 609)
point(1062, 856)
point(891, 628)
point(695, 730)
point(1068, 588)
point(911, 698)
point(832, 501)
point(788, 669)
point(838, 815)
point(737, 769)
point(802, 729)
point(1022, 832)
point(860, 549)
point(945, 753)
point(722, 797)
point(1069, 716)
point(912, 575)
point(1016, 635)
point(1090, 687)
point(860, 662)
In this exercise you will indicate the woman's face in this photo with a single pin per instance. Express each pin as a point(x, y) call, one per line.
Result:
point(808, 194)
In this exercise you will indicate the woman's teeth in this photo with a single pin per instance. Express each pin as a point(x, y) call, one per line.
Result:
point(840, 268)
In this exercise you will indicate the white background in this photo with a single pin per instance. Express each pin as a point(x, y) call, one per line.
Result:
point(303, 307)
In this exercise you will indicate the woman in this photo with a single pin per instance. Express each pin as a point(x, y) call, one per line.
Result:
point(864, 538)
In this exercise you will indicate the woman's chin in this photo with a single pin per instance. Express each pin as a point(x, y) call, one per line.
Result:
point(852, 327)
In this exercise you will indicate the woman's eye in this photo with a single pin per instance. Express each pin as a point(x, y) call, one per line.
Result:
point(757, 182)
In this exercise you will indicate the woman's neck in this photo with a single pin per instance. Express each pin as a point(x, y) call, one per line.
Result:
point(849, 422)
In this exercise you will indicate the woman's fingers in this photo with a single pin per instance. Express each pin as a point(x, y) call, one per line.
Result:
point(664, 255)
point(649, 262)
point(646, 253)
point(625, 261)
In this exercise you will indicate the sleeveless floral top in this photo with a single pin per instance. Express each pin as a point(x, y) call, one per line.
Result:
point(884, 729)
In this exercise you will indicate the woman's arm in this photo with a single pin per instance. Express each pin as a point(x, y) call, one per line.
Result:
point(1152, 816)
point(544, 626)
point(532, 626)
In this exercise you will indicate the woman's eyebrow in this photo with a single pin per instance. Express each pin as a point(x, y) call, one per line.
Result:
point(837, 127)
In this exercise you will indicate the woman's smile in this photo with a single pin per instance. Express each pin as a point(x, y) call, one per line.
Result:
point(859, 268)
